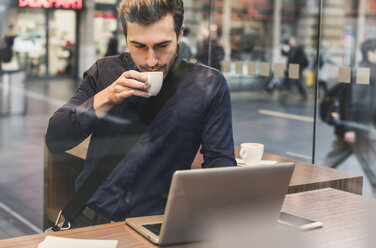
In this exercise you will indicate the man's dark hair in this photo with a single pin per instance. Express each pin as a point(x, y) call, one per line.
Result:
point(368, 45)
point(186, 31)
point(146, 12)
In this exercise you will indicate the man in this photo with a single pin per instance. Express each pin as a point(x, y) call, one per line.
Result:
point(295, 55)
point(325, 59)
point(194, 110)
point(217, 53)
point(6, 52)
point(356, 133)
point(112, 46)
point(186, 45)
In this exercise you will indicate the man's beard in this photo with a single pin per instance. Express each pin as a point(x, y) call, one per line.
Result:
point(173, 59)
point(166, 67)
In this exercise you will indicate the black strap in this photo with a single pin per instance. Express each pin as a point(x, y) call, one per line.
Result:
point(124, 143)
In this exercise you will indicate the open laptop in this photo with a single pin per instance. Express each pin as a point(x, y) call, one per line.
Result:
point(202, 199)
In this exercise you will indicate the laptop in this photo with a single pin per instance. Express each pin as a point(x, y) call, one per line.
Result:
point(200, 200)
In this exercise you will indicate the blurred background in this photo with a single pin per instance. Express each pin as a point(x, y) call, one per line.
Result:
point(279, 57)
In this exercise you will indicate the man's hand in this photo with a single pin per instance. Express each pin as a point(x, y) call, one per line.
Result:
point(285, 48)
point(130, 83)
point(350, 137)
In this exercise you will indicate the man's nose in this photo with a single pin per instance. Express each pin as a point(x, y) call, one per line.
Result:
point(152, 58)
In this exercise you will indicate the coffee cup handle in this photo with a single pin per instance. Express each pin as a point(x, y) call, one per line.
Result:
point(243, 153)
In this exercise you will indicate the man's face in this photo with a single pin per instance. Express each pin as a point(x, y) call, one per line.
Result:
point(292, 41)
point(153, 47)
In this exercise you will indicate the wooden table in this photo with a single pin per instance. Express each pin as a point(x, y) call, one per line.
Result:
point(61, 170)
point(344, 216)
point(308, 176)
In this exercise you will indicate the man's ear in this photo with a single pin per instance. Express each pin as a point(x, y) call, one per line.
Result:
point(181, 33)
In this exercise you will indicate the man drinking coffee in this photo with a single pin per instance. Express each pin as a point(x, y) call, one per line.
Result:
point(113, 103)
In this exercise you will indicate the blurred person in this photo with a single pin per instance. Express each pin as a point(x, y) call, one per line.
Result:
point(325, 59)
point(295, 55)
point(368, 49)
point(66, 55)
point(112, 46)
point(68, 49)
point(217, 51)
point(186, 45)
point(356, 119)
point(192, 109)
point(6, 51)
point(243, 41)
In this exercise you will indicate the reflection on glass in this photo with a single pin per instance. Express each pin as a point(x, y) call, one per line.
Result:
point(352, 113)
point(243, 39)
point(350, 108)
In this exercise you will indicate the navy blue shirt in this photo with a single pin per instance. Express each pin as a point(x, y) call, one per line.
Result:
point(197, 113)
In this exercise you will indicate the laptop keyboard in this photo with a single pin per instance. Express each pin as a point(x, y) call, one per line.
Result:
point(154, 228)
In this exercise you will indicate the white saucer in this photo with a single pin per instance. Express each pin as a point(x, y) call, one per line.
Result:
point(262, 162)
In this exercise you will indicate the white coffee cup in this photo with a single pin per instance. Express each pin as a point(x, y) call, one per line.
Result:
point(155, 80)
point(251, 153)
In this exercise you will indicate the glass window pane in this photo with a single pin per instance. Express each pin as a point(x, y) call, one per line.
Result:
point(269, 47)
point(347, 73)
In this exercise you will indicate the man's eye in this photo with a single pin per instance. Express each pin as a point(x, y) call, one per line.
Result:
point(162, 45)
point(139, 46)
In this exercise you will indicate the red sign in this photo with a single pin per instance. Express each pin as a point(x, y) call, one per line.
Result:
point(66, 4)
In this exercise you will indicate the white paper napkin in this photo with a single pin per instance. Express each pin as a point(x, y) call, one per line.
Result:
point(59, 242)
point(241, 162)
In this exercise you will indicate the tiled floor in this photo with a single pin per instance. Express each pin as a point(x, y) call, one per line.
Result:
point(21, 145)
point(11, 226)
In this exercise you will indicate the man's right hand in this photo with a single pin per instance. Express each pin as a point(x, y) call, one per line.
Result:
point(130, 83)
point(285, 48)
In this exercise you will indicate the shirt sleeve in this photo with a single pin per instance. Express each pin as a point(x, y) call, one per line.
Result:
point(74, 122)
point(217, 138)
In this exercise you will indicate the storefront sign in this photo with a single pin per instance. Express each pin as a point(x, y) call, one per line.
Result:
point(65, 4)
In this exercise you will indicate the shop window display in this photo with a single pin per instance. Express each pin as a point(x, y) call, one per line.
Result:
point(61, 40)
point(29, 44)
point(105, 24)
